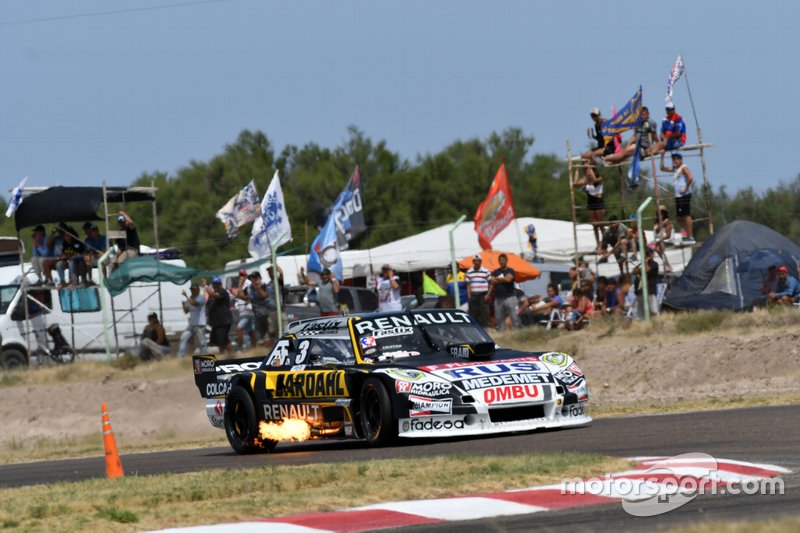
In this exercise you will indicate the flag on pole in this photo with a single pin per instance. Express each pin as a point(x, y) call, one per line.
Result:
point(431, 287)
point(628, 117)
point(496, 211)
point(272, 227)
point(243, 208)
point(343, 224)
point(674, 75)
point(16, 197)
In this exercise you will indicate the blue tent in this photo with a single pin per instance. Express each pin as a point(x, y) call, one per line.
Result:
point(728, 270)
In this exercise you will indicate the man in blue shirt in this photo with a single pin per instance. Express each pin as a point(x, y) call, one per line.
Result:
point(788, 288)
point(95, 246)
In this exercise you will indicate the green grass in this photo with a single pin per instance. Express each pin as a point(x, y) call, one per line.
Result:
point(225, 495)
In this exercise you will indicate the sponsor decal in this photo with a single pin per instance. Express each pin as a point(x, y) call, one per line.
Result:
point(463, 351)
point(432, 424)
point(393, 332)
point(204, 366)
point(575, 369)
point(580, 390)
point(567, 377)
point(505, 379)
point(219, 408)
point(242, 367)
point(298, 368)
point(342, 402)
point(368, 342)
point(427, 388)
point(406, 374)
point(577, 409)
point(218, 388)
point(426, 319)
point(275, 412)
point(555, 358)
point(488, 369)
point(217, 421)
point(465, 364)
point(321, 327)
point(512, 394)
point(307, 384)
point(421, 406)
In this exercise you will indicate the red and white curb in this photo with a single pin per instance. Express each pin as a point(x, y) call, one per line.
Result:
point(644, 481)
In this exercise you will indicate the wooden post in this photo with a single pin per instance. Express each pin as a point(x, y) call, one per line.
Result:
point(158, 249)
point(621, 192)
point(655, 191)
point(572, 203)
point(110, 297)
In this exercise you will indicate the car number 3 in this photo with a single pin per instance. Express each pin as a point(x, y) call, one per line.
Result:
point(302, 352)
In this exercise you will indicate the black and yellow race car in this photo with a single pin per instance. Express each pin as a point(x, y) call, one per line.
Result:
point(410, 374)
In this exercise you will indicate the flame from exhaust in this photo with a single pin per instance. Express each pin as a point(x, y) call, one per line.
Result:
point(289, 429)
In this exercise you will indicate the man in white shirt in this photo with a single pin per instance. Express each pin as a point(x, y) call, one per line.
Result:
point(478, 291)
point(195, 305)
point(388, 287)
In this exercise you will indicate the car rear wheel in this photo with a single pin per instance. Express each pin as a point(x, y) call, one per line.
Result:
point(376, 413)
point(12, 358)
point(241, 423)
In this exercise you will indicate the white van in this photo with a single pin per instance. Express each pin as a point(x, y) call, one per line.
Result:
point(79, 314)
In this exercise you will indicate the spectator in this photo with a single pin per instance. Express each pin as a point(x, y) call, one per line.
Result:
point(478, 291)
point(71, 257)
point(219, 315)
point(536, 309)
point(788, 288)
point(632, 237)
point(505, 299)
point(388, 287)
point(259, 295)
point(154, 343)
point(327, 291)
point(682, 182)
point(55, 246)
point(580, 306)
point(584, 271)
point(194, 305)
point(129, 245)
point(615, 237)
point(614, 298)
point(652, 282)
point(662, 234)
point(244, 309)
point(673, 132)
point(771, 281)
point(40, 256)
point(592, 185)
point(599, 301)
point(272, 303)
point(644, 135)
point(603, 148)
point(95, 245)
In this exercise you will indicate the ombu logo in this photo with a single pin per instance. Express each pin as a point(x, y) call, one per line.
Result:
point(511, 393)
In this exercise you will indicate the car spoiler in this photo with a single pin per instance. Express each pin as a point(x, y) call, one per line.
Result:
point(212, 377)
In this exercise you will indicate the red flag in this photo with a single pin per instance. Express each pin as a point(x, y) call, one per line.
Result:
point(496, 211)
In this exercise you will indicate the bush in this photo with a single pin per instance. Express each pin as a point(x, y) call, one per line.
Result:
point(689, 323)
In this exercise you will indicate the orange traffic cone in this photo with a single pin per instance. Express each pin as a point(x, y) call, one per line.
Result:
point(113, 464)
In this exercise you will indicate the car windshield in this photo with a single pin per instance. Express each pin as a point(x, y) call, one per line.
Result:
point(413, 334)
point(7, 293)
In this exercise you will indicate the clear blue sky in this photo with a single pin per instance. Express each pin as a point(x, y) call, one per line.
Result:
point(107, 97)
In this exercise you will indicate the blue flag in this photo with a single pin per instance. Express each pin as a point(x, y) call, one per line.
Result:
point(16, 197)
point(345, 222)
point(633, 171)
point(626, 118)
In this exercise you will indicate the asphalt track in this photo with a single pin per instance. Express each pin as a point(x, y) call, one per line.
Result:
point(763, 434)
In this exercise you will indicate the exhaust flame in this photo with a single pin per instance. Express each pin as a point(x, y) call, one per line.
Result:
point(289, 429)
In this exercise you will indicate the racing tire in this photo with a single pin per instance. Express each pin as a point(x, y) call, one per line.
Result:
point(241, 423)
point(377, 422)
point(13, 359)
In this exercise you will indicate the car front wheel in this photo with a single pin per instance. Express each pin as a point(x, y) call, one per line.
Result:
point(376, 413)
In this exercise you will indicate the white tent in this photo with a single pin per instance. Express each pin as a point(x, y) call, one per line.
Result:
point(431, 249)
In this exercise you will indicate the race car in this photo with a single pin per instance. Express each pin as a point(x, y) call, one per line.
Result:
point(377, 377)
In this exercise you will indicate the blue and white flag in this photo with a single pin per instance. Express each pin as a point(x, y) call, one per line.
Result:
point(239, 210)
point(674, 75)
point(272, 227)
point(345, 222)
point(16, 197)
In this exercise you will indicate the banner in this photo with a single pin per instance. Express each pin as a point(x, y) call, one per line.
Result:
point(496, 211)
point(674, 75)
point(431, 287)
point(344, 223)
point(272, 227)
point(628, 117)
point(240, 210)
point(16, 197)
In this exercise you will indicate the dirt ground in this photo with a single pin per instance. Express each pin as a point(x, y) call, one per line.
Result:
point(627, 370)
